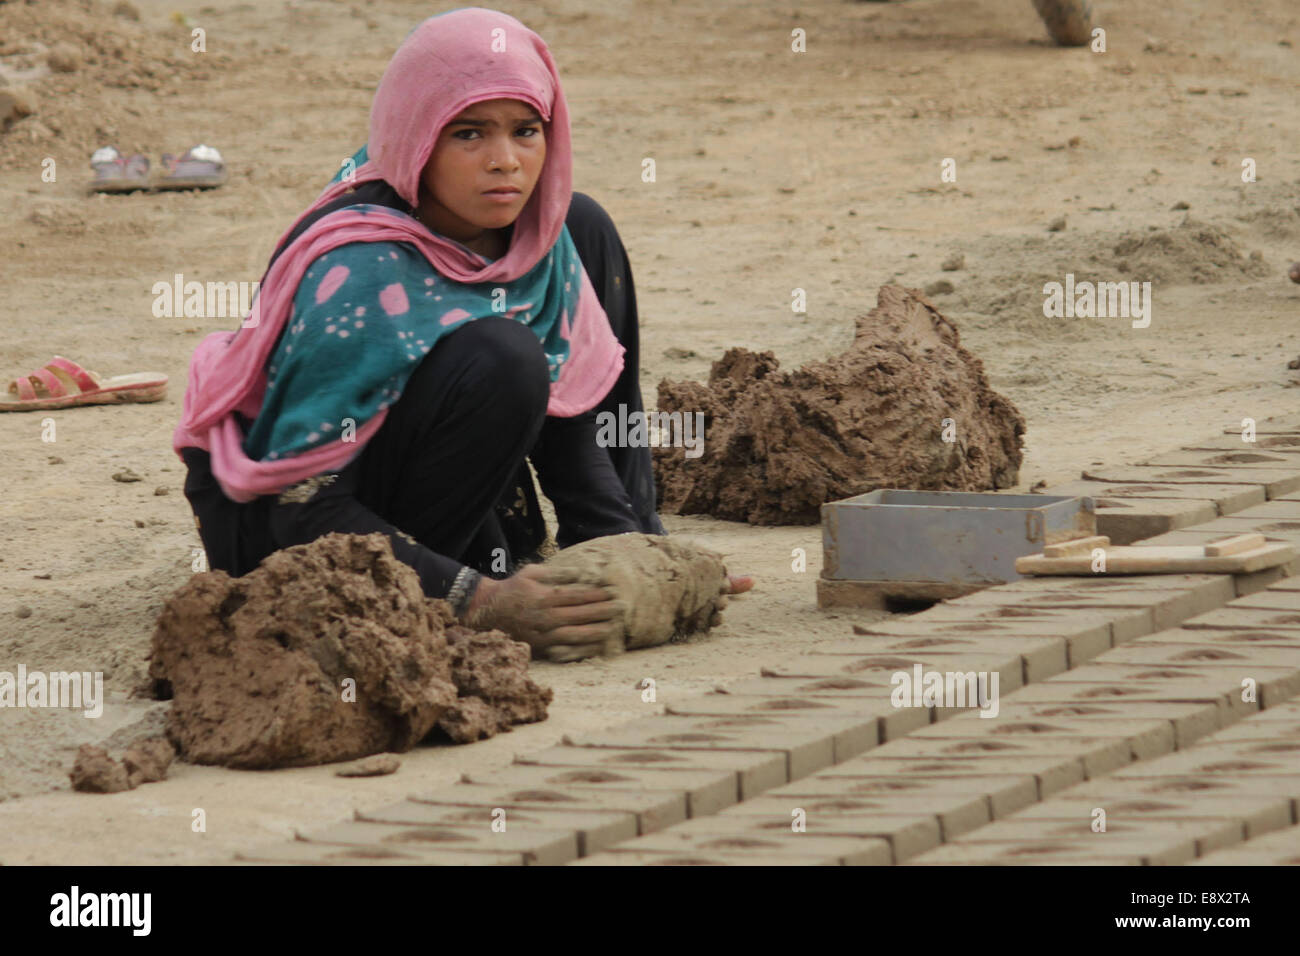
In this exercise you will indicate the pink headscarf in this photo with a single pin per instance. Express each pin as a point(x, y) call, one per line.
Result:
point(447, 63)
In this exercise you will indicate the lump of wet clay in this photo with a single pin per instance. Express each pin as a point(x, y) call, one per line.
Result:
point(378, 766)
point(905, 406)
point(327, 651)
point(491, 672)
point(145, 761)
point(94, 771)
point(669, 588)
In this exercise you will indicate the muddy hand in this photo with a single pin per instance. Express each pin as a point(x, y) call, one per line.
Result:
point(535, 607)
point(1294, 272)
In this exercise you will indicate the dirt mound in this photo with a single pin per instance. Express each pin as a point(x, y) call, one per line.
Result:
point(1190, 252)
point(904, 407)
point(326, 652)
point(76, 56)
point(496, 691)
point(145, 761)
point(669, 588)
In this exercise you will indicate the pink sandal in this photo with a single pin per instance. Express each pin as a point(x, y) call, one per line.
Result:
point(63, 383)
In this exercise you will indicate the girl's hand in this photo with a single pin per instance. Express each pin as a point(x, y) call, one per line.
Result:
point(536, 607)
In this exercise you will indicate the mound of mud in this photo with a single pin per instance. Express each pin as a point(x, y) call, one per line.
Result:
point(1192, 251)
point(496, 691)
point(145, 761)
point(327, 651)
point(669, 588)
point(904, 407)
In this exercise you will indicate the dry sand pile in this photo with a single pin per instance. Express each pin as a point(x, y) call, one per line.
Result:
point(329, 651)
point(778, 444)
point(669, 588)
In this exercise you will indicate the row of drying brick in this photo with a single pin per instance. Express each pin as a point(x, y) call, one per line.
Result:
point(1237, 788)
point(709, 753)
point(712, 751)
point(1196, 484)
point(1134, 703)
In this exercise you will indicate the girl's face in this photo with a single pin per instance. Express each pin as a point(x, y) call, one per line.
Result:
point(482, 169)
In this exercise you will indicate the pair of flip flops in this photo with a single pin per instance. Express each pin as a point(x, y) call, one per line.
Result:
point(62, 383)
point(200, 167)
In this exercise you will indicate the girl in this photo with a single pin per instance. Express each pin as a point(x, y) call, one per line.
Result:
point(447, 310)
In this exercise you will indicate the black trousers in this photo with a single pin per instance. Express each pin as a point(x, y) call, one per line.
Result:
point(446, 476)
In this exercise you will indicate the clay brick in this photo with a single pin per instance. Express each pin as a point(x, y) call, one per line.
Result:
point(320, 854)
point(755, 771)
point(1146, 738)
point(893, 721)
point(1273, 684)
point(882, 667)
point(1229, 640)
point(1173, 852)
point(851, 734)
point(1085, 635)
point(707, 791)
point(1182, 538)
point(653, 809)
point(1117, 682)
point(806, 751)
point(1271, 445)
point(538, 848)
point(1099, 754)
point(1276, 482)
point(1215, 760)
point(1281, 509)
point(1190, 721)
point(1273, 529)
point(589, 831)
point(907, 833)
point(1265, 578)
point(1005, 794)
point(1234, 617)
point(1277, 849)
point(733, 833)
point(1198, 786)
point(1129, 520)
point(1040, 657)
point(1226, 498)
point(1165, 608)
point(690, 858)
point(764, 849)
point(1220, 655)
point(1257, 815)
point(1213, 585)
point(1191, 837)
point(956, 813)
point(1272, 599)
point(1053, 772)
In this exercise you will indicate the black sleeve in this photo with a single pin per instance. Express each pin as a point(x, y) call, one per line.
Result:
point(325, 503)
point(579, 478)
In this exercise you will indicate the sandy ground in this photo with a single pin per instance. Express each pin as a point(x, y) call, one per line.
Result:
point(775, 170)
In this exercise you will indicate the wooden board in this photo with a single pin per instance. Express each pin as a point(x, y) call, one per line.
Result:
point(1188, 559)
